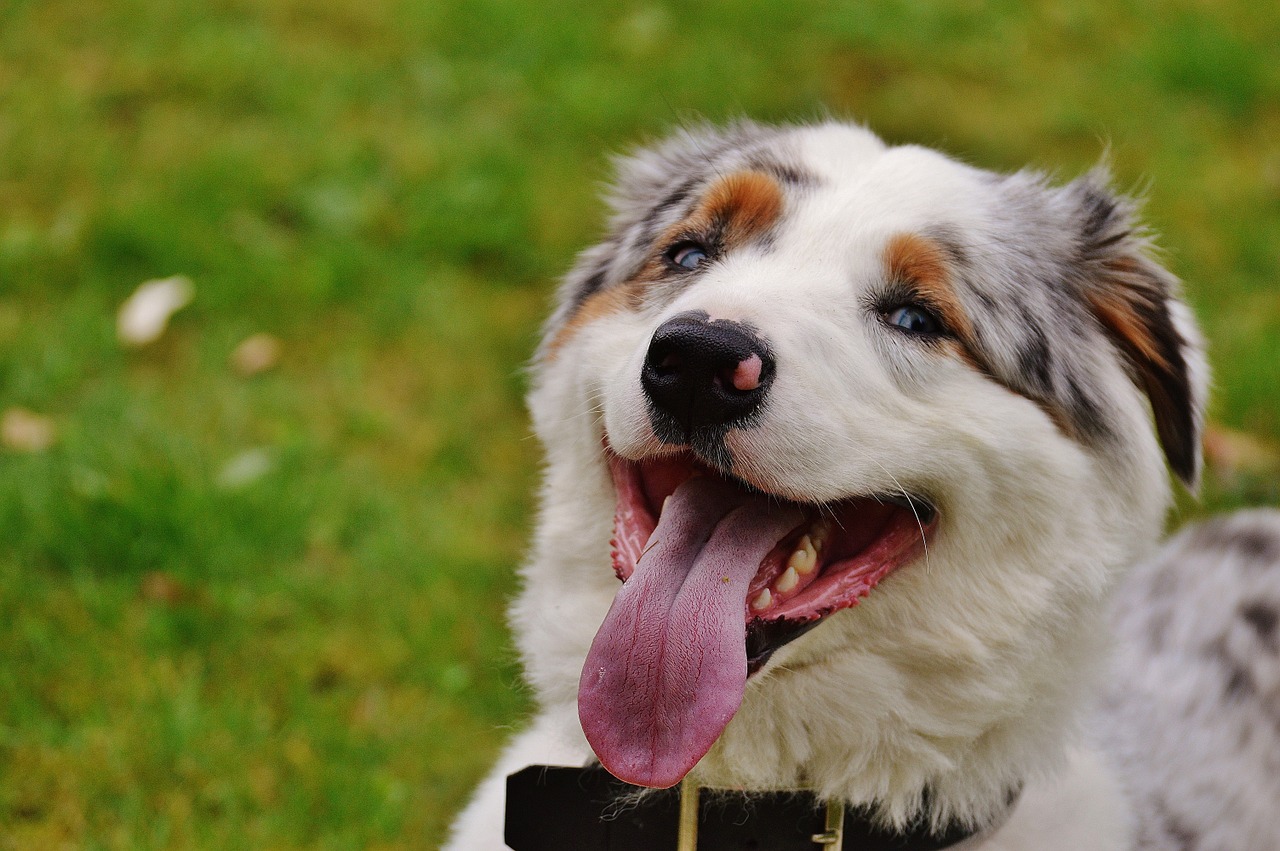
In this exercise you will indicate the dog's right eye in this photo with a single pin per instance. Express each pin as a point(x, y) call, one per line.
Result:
point(914, 319)
point(687, 255)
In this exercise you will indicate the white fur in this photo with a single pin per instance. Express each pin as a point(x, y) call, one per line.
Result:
point(968, 670)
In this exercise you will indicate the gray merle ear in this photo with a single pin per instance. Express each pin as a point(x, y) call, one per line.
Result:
point(1136, 302)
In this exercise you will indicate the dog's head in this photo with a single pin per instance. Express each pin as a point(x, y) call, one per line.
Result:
point(804, 365)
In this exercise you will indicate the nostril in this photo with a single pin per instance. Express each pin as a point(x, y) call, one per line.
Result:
point(745, 377)
point(670, 364)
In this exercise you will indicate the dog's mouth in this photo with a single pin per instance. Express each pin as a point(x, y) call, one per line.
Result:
point(717, 575)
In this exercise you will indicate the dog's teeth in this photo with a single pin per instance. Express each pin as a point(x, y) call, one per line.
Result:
point(804, 559)
point(787, 580)
point(762, 600)
point(665, 502)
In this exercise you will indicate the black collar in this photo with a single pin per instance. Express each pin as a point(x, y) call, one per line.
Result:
point(586, 809)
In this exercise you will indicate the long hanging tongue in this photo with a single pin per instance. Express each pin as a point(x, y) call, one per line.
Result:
point(668, 666)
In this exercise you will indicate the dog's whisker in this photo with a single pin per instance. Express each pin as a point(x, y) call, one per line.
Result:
point(924, 540)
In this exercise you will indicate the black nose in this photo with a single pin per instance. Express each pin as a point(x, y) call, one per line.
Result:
point(703, 374)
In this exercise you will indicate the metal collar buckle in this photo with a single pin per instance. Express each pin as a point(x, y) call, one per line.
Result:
point(831, 838)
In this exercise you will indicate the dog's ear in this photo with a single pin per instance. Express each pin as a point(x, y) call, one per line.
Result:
point(1137, 304)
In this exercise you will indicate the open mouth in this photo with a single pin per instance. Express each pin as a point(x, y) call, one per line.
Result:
point(718, 575)
point(828, 561)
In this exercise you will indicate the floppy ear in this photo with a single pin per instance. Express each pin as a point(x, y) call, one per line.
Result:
point(1136, 301)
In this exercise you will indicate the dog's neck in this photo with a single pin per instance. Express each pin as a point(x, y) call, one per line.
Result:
point(855, 728)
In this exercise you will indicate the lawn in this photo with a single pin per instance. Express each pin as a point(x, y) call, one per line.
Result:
point(263, 607)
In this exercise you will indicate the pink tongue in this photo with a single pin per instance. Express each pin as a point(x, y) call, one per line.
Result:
point(668, 666)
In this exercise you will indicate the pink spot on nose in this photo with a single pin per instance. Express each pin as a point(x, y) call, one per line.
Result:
point(746, 375)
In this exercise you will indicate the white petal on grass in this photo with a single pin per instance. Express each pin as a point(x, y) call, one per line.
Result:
point(256, 354)
point(145, 314)
point(26, 431)
point(245, 468)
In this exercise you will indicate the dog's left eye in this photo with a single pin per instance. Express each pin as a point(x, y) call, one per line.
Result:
point(687, 255)
point(915, 319)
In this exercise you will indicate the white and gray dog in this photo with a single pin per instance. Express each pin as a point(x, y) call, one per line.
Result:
point(850, 448)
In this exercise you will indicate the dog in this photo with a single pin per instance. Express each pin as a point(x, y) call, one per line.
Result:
point(849, 448)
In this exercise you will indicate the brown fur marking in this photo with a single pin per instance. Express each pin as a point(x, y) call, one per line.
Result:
point(600, 304)
point(921, 264)
point(736, 208)
point(1122, 316)
point(747, 203)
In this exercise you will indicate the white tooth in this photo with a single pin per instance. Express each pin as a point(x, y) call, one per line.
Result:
point(665, 502)
point(762, 600)
point(787, 580)
point(804, 559)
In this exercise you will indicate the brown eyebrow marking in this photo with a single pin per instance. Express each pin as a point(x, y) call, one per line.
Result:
point(745, 205)
point(924, 266)
point(731, 212)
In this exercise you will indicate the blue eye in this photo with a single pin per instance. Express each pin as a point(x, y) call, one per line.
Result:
point(687, 255)
point(915, 319)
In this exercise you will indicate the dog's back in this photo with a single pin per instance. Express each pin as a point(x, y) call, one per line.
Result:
point(1191, 713)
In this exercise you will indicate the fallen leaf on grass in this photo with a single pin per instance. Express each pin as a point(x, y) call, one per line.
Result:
point(369, 708)
point(256, 354)
point(1232, 452)
point(161, 587)
point(244, 469)
point(144, 315)
point(26, 431)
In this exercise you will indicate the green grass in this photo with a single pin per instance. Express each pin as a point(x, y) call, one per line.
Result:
point(316, 657)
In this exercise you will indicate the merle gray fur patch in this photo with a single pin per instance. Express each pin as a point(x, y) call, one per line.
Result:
point(1193, 711)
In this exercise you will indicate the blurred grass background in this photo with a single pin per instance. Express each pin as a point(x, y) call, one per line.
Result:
point(265, 611)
